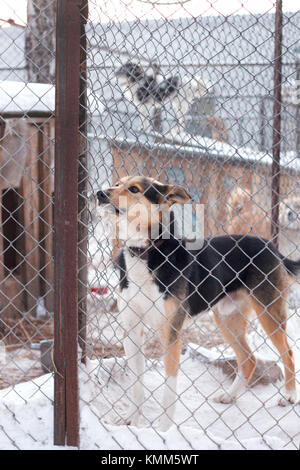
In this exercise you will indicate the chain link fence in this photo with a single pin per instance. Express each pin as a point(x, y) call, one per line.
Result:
point(204, 98)
point(27, 102)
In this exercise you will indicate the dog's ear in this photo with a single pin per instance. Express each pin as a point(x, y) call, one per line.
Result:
point(177, 194)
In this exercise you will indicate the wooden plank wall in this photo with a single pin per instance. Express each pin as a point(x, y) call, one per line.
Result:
point(213, 181)
point(37, 219)
point(46, 215)
point(29, 191)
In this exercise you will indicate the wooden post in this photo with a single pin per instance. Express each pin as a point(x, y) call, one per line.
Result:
point(66, 393)
point(2, 270)
point(30, 193)
point(276, 123)
point(46, 216)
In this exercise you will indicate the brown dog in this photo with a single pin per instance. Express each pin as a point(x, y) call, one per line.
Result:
point(163, 283)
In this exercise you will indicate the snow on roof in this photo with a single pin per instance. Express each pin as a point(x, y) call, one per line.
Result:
point(12, 48)
point(224, 150)
point(20, 98)
point(195, 146)
point(233, 54)
point(246, 38)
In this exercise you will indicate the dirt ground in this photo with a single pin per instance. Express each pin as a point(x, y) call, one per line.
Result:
point(21, 363)
point(21, 331)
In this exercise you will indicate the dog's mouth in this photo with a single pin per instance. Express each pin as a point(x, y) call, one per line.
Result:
point(110, 207)
point(116, 209)
point(105, 201)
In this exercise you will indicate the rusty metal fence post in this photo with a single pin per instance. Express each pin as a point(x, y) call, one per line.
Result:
point(276, 123)
point(66, 396)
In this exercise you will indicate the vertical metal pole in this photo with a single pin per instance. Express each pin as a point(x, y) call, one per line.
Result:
point(82, 188)
point(66, 396)
point(262, 124)
point(276, 123)
point(297, 102)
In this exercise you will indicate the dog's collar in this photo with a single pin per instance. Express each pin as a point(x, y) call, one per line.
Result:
point(143, 252)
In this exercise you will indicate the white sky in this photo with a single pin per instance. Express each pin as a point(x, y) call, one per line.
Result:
point(117, 10)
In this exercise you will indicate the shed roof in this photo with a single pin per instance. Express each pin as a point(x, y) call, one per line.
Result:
point(12, 53)
point(229, 51)
point(32, 99)
point(198, 147)
point(211, 40)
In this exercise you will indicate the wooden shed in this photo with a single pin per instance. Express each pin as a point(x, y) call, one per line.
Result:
point(212, 171)
point(26, 183)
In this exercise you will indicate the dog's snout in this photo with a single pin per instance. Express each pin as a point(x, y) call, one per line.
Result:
point(102, 197)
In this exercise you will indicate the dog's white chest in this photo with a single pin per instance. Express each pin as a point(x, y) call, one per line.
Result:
point(141, 299)
point(129, 90)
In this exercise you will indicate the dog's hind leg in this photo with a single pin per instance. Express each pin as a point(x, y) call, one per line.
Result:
point(273, 319)
point(231, 315)
point(170, 338)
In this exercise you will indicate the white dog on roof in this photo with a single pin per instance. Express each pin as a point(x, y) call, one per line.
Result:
point(150, 91)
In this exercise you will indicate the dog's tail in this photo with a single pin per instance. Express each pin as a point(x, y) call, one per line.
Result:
point(292, 267)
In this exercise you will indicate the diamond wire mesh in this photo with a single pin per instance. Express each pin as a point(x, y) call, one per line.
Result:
point(211, 132)
point(26, 245)
point(213, 136)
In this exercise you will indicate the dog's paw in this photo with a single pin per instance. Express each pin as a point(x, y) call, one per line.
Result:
point(164, 424)
point(289, 397)
point(224, 397)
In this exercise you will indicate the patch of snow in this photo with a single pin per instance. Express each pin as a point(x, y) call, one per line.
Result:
point(205, 146)
point(22, 97)
point(2, 352)
point(41, 311)
point(255, 421)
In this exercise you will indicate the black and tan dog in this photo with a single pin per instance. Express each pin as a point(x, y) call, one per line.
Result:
point(162, 283)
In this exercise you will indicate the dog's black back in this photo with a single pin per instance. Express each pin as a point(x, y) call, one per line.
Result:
point(224, 264)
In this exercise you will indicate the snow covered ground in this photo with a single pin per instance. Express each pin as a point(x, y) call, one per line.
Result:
point(255, 421)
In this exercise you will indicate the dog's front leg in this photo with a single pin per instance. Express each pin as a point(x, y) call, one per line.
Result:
point(171, 341)
point(136, 368)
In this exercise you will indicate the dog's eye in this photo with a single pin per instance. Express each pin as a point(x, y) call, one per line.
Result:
point(133, 189)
